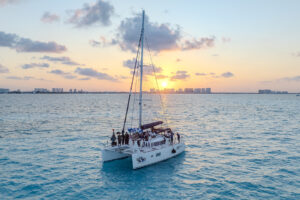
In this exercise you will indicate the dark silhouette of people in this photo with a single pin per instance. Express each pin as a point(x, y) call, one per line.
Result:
point(113, 139)
point(126, 138)
point(172, 134)
point(178, 137)
point(119, 138)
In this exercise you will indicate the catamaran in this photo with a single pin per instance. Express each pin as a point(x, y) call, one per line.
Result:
point(148, 143)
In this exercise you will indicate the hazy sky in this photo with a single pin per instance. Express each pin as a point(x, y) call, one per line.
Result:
point(238, 46)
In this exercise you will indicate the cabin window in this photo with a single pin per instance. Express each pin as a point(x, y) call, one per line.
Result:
point(158, 154)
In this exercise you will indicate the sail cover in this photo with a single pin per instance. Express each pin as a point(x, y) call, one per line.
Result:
point(151, 125)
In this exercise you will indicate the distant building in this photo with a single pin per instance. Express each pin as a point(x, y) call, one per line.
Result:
point(188, 90)
point(4, 90)
point(57, 90)
point(268, 91)
point(70, 90)
point(179, 90)
point(207, 91)
point(74, 91)
point(40, 90)
point(203, 90)
point(168, 90)
point(265, 91)
point(197, 90)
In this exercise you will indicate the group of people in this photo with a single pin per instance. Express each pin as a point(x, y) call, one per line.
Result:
point(120, 139)
point(170, 135)
point(123, 139)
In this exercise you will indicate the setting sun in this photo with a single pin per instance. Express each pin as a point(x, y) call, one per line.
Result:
point(164, 84)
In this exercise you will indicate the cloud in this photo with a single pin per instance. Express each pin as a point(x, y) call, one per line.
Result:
point(33, 65)
point(284, 79)
point(5, 2)
point(214, 75)
point(161, 37)
point(49, 18)
point(64, 60)
point(27, 45)
point(178, 60)
point(227, 75)
point(84, 79)
point(66, 75)
point(19, 78)
point(129, 63)
point(121, 77)
point(198, 43)
point(3, 69)
point(180, 75)
point(147, 69)
point(103, 42)
point(161, 76)
point(58, 72)
point(94, 73)
point(200, 74)
point(25, 78)
point(98, 13)
point(70, 76)
point(294, 78)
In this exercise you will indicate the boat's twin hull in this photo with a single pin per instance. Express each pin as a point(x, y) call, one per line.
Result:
point(141, 159)
point(108, 155)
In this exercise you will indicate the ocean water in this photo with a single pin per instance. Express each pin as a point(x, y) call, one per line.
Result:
point(238, 147)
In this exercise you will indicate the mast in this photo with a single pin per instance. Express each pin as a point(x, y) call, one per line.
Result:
point(141, 79)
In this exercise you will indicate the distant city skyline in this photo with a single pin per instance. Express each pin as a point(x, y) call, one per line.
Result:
point(152, 91)
point(229, 46)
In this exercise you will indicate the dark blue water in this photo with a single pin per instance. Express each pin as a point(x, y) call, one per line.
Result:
point(238, 147)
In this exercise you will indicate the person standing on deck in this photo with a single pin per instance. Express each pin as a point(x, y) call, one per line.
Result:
point(178, 137)
point(119, 138)
point(172, 135)
point(113, 138)
point(126, 138)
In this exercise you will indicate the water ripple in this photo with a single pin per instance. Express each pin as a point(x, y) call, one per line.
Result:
point(238, 147)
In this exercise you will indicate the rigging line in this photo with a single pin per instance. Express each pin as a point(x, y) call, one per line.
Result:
point(137, 54)
point(162, 104)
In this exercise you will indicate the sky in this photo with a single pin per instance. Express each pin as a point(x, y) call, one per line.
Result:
point(229, 46)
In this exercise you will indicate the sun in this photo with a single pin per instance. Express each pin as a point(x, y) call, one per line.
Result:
point(164, 84)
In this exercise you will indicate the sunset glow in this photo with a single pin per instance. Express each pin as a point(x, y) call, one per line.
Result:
point(164, 84)
point(60, 44)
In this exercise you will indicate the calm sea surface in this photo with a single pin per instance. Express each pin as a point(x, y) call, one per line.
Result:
point(238, 147)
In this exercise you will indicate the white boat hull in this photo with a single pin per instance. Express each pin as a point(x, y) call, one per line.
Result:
point(110, 155)
point(142, 159)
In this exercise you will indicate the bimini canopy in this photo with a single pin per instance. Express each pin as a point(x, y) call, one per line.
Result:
point(151, 125)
